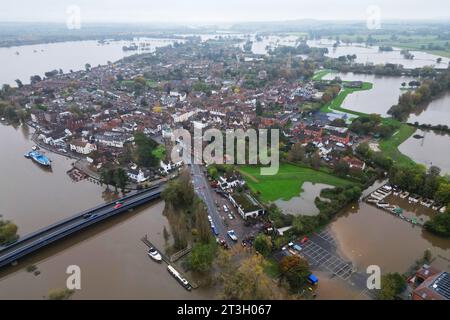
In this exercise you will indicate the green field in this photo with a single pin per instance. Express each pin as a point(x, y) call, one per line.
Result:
point(319, 75)
point(288, 182)
point(390, 145)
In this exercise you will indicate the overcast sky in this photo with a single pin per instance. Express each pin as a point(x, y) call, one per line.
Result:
point(219, 10)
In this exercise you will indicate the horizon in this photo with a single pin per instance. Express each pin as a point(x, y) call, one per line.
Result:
point(233, 11)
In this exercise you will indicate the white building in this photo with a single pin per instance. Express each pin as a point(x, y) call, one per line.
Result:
point(82, 147)
point(137, 175)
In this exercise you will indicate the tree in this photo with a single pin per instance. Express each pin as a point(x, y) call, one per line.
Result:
point(245, 279)
point(8, 232)
point(295, 271)
point(315, 160)
point(263, 244)
point(60, 294)
point(19, 83)
point(120, 178)
point(392, 284)
point(259, 109)
point(87, 66)
point(144, 150)
point(202, 257)
point(297, 153)
point(443, 193)
point(342, 168)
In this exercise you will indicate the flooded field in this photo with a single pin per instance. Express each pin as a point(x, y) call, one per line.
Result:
point(432, 149)
point(384, 94)
point(373, 55)
point(435, 113)
point(304, 204)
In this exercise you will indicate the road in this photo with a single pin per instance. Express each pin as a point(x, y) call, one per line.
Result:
point(204, 191)
point(66, 227)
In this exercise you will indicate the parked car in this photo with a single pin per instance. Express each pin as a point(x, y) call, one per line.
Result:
point(214, 230)
point(225, 208)
point(230, 216)
point(232, 235)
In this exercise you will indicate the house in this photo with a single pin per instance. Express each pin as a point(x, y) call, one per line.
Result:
point(137, 175)
point(170, 166)
point(246, 205)
point(435, 285)
point(113, 139)
point(82, 147)
point(230, 183)
point(354, 163)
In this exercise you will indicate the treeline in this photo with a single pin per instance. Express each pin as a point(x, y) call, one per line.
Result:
point(8, 232)
point(335, 200)
point(372, 124)
point(429, 184)
point(411, 101)
point(116, 177)
point(188, 219)
point(388, 69)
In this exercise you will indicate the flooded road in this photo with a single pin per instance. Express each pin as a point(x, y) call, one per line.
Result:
point(113, 260)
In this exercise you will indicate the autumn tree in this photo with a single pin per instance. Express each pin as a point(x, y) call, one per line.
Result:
point(295, 271)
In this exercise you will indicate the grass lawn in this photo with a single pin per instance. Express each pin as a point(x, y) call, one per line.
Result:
point(288, 183)
point(319, 75)
point(390, 145)
point(159, 152)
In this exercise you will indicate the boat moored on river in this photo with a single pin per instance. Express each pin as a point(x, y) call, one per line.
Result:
point(39, 158)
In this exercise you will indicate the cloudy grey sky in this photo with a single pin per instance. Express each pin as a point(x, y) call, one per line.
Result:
point(219, 10)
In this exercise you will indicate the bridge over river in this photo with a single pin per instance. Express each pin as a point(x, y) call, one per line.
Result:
point(64, 228)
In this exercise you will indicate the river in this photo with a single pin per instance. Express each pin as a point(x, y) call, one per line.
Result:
point(113, 260)
point(25, 61)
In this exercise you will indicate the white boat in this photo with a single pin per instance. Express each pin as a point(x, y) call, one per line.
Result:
point(154, 254)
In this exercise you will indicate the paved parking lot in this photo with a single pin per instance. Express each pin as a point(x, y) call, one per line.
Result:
point(320, 257)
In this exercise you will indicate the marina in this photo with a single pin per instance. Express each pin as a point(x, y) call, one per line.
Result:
point(181, 279)
point(377, 198)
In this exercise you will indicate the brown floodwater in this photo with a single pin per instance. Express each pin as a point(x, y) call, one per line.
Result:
point(384, 94)
point(305, 203)
point(433, 149)
point(435, 113)
point(370, 236)
point(112, 258)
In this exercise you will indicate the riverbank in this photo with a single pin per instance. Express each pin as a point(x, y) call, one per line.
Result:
point(388, 145)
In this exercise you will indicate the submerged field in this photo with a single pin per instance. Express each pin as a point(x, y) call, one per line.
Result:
point(288, 182)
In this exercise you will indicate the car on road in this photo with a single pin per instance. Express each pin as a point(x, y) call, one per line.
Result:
point(118, 204)
point(232, 235)
point(214, 230)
